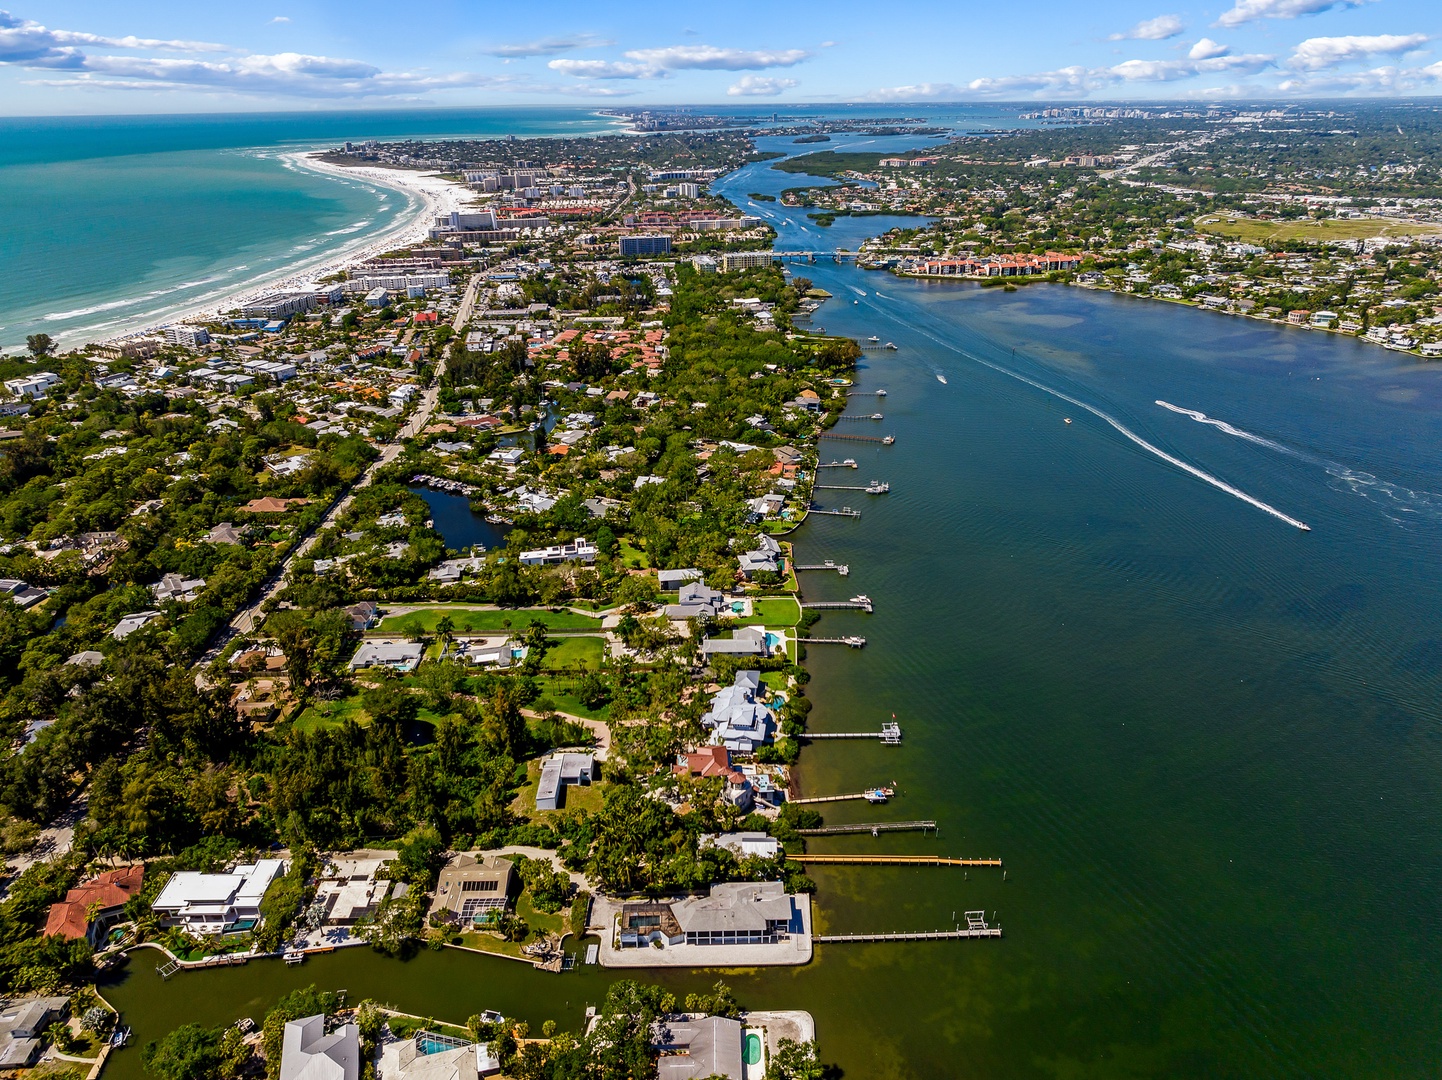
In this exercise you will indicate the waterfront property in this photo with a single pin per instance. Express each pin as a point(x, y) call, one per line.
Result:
point(308, 1053)
point(472, 888)
point(706, 1046)
point(747, 641)
point(716, 761)
point(351, 888)
point(737, 923)
point(93, 906)
point(397, 655)
point(215, 903)
point(737, 719)
point(744, 844)
point(431, 1056)
point(696, 601)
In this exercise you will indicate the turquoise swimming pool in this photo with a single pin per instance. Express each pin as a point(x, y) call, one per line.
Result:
point(753, 1048)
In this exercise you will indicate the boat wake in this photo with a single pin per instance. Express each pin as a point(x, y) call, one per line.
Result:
point(1117, 425)
point(1358, 482)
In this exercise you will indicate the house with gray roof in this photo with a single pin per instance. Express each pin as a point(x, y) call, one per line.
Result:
point(703, 1047)
point(737, 719)
point(308, 1053)
point(559, 770)
point(22, 1029)
point(697, 601)
point(398, 655)
point(765, 557)
point(671, 580)
point(747, 641)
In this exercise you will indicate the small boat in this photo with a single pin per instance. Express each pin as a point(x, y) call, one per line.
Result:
point(873, 339)
point(856, 301)
point(119, 1037)
point(295, 956)
point(888, 440)
point(941, 379)
point(849, 462)
point(1066, 419)
point(490, 1016)
point(881, 393)
point(879, 795)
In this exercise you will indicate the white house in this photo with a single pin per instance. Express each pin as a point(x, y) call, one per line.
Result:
point(577, 550)
point(400, 655)
point(213, 903)
point(34, 385)
point(737, 719)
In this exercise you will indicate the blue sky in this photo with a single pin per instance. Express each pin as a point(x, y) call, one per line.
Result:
point(114, 56)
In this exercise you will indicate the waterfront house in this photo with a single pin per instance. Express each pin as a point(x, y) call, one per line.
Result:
point(363, 615)
point(716, 761)
point(577, 550)
point(737, 719)
point(732, 913)
point(707, 1046)
point(351, 888)
point(697, 601)
point(429, 1056)
point(472, 887)
point(22, 1029)
point(765, 557)
point(93, 906)
point(215, 903)
point(560, 770)
point(744, 845)
point(308, 1053)
point(747, 641)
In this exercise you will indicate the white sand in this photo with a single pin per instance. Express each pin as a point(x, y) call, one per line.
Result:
point(430, 196)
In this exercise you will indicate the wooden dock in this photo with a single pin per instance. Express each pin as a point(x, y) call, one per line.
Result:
point(861, 416)
point(866, 393)
point(840, 568)
point(925, 935)
point(887, 860)
point(890, 734)
point(856, 603)
point(845, 511)
point(881, 440)
point(873, 795)
point(854, 640)
point(847, 464)
point(875, 828)
point(873, 488)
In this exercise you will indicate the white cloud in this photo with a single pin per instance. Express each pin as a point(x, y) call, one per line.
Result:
point(602, 69)
point(280, 19)
point(919, 92)
point(1158, 29)
point(1246, 11)
point(1371, 83)
point(1317, 53)
point(549, 46)
point(759, 86)
point(1207, 49)
point(712, 58)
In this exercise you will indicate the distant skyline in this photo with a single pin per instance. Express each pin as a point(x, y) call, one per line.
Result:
point(115, 56)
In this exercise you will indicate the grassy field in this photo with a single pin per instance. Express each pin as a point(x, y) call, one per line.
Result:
point(558, 690)
point(467, 621)
point(632, 556)
point(586, 652)
point(1252, 231)
point(774, 611)
point(331, 714)
point(578, 797)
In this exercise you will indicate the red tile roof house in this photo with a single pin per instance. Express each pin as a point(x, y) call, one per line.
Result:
point(105, 895)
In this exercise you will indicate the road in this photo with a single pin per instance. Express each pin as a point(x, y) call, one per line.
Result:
point(251, 617)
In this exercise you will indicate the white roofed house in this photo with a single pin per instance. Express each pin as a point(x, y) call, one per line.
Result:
point(707, 1046)
point(674, 579)
point(559, 770)
point(308, 1053)
point(577, 550)
point(214, 903)
point(178, 588)
point(747, 641)
point(737, 719)
point(399, 655)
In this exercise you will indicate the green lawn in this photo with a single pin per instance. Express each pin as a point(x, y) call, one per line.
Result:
point(571, 652)
point(560, 691)
point(321, 714)
point(632, 556)
point(774, 611)
point(578, 797)
point(467, 621)
point(539, 922)
point(1253, 231)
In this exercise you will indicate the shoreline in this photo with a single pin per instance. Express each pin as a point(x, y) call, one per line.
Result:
point(426, 195)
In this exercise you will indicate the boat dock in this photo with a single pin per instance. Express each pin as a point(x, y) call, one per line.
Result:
point(874, 795)
point(854, 640)
point(866, 393)
point(859, 416)
point(875, 345)
point(884, 440)
point(847, 464)
point(845, 511)
point(829, 564)
point(888, 860)
point(876, 487)
point(875, 828)
point(976, 927)
point(856, 603)
point(890, 734)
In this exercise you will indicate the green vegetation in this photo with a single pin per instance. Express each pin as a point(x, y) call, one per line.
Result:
point(495, 621)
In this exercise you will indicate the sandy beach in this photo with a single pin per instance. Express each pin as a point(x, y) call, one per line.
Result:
point(427, 195)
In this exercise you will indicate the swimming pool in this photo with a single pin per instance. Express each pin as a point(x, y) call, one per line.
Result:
point(753, 1048)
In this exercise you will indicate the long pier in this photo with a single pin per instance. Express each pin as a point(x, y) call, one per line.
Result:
point(873, 488)
point(856, 641)
point(890, 734)
point(884, 440)
point(866, 393)
point(888, 860)
point(858, 416)
point(925, 935)
point(847, 464)
point(856, 603)
point(845, 511)
point(874, 795)
point(875, 828)
point(829, 564)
